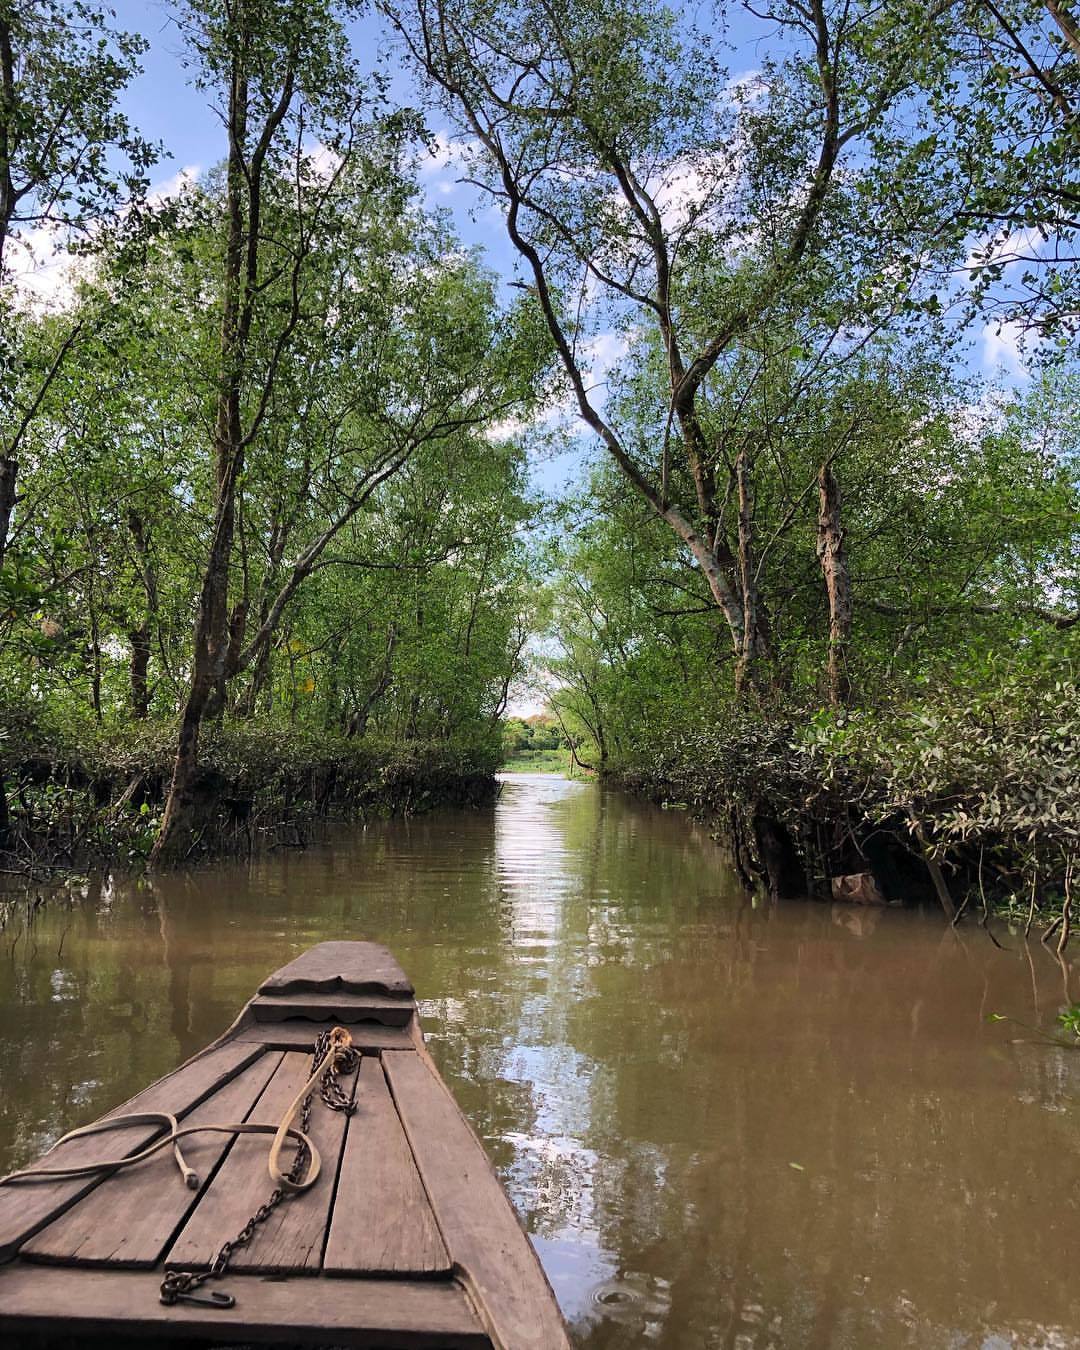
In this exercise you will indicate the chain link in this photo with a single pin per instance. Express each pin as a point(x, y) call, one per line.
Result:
point(184, 1285)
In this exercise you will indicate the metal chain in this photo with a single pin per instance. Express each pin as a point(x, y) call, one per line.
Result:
point(184, 1284)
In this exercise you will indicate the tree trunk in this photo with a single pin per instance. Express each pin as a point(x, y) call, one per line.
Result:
point(260, 670)
point(141, 637)
point(8, 131)
point(754, 647)
point(358, 722)
point(211, 627)
point(834, 568)
point(140, 672)
point(9, 469)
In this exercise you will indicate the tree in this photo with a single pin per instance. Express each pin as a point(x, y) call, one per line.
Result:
point(643, 191)
point(281, 70)
point(1004, 98)
point(68, 160)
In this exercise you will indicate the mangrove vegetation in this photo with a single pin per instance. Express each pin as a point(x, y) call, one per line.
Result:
point(791, 288)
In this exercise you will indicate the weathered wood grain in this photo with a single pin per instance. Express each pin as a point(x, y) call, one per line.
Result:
point(355, 967)
point(131, 1220)
point(333, 1006)
point(486, 1242)
point(382, 1222)
point(25, 1207)
point(301, 1035)
point(292, 1239)
point(365, 1314)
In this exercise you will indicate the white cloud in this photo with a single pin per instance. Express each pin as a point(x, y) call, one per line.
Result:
point(445, 161)
point(41, 269)
point(180, 181)
point(44, 273)
point(597, 358)
point(323, 161)
point(746, 88)
point(1007, 246)
point(1002, 349)
point(601, 354)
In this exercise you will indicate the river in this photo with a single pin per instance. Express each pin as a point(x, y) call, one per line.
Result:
point(723, 1125)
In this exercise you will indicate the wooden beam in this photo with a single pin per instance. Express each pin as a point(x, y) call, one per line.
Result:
point(338, 1006)
point(350, 967)
point(360, 1314)
point(302, 1035)
point(382, 1222)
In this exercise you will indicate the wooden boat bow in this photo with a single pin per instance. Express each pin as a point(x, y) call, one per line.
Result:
point(406, 1240)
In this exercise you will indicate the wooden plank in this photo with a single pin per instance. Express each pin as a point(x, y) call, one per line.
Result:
point(131, 1220)
point(301, 1035)
point(26, 1207)
point(292, 1239)
point(382, 1222)
point(398, 1314)
point(486, 1242)
point(353, 967)
point(338, 1006)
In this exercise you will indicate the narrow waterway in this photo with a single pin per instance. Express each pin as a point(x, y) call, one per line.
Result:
point(724, 1126)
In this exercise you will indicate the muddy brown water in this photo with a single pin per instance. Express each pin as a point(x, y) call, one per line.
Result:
point(724, 1126)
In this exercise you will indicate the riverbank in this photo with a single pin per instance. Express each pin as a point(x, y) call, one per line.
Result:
point(542, 761)
point(96, 797)
point(967, 802)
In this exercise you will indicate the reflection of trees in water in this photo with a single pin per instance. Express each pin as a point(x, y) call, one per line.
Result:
point(929, 1191)
point(645, 1055)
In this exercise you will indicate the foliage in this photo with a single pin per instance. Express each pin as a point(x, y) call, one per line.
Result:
point(87, 793)
point(273, 475)
point(959, 742)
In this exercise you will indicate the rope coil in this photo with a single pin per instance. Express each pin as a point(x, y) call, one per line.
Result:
point(333, 1056)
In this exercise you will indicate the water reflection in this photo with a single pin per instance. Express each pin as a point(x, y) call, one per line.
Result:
point(724, 1126)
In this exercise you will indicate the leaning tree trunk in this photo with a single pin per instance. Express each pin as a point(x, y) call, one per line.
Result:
point(8, 472)
point(754, 650)
point(834, 568)
point(210, 641)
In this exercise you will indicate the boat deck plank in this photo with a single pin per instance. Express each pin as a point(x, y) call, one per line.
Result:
point(291, 1239)
point(367, 1314)
point(26, 1208)
point(406, 1241)
point(301, 1035)
point(340, 1006)
point(355, 967)
point(482, 1233)
point(132, 1220)
point(382, 1221)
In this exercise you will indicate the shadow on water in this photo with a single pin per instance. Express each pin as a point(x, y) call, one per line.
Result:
point(723, 1126)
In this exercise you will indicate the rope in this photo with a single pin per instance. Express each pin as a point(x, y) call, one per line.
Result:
point(340, 1041)
point(191, 1178)
point(334, 1054)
